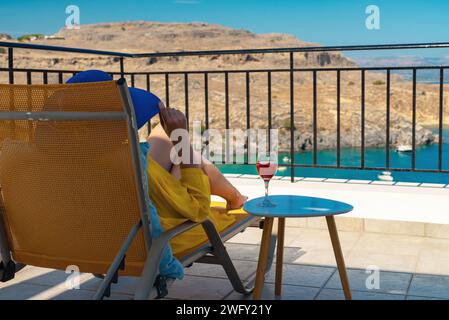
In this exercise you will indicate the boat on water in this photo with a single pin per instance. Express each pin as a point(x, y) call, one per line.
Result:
point(385, 176)
point(286, 159)
point(404, 148)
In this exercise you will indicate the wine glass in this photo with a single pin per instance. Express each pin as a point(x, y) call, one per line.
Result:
point(267, 166)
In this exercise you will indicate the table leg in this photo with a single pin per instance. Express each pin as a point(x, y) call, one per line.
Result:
point(263, 257)
point(339, 256)
point(279, 256)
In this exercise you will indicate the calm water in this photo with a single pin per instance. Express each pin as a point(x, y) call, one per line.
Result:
point(426, 158)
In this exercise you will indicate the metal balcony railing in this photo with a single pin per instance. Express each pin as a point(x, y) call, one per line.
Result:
point(291, 71)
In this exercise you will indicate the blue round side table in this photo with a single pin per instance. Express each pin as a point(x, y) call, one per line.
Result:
point(288, 206)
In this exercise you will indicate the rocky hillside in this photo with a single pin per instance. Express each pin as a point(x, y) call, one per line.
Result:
point(5, 36)
point(161, 37)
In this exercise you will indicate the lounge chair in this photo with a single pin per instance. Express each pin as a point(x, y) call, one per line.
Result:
point(73, 189)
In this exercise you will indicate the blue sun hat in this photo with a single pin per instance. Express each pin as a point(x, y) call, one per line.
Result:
point(146, 104)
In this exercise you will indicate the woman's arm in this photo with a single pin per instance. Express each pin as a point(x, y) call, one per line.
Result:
point(171, 120)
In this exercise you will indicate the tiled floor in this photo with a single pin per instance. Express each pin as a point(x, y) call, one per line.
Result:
point(409, 268)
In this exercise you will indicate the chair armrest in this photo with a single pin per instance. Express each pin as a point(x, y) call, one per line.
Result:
point(168, 235)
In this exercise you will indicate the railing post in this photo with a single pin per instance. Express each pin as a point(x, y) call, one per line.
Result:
point(387, 124)
point(227, 140)
point(122, 68)
point(12, 124)
point(440, 121)
point(11, 65)
point(248, 111)
point(29, 78)
point(338, 116)
point(315, 119)
point(292, 120)
point(206, 100)
point(248, 101)
point(414, 121)
point(148, 80)
point(362, 121)
point(167, 90)
point(186, 97)
point(270, 102)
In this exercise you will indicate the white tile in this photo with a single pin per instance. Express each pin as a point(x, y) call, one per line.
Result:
point(314, 179)
point(232, 175)
point(387, 262)
point(296, 178)
point(356, 181)
point(250, 236)
point(407, 184)
point(383, 183)
point(336, 180)
point(249, 176)
point(432, 185)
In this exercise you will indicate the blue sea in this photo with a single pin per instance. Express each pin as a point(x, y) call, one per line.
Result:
point(426, 158)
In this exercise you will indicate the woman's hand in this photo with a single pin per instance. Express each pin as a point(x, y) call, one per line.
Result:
point(172, 119)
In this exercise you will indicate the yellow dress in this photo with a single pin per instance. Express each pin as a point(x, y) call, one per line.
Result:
point(178, 201)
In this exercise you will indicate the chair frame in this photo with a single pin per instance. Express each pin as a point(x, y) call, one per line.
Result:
point(148, 287)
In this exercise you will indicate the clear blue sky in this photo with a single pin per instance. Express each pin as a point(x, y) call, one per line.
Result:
point(324, 21)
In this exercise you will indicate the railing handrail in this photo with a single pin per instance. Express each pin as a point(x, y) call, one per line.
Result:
point(402, 46)
point(297, 49)
point(64, 49)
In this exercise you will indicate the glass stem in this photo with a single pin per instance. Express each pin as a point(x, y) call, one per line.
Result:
point(267, 182)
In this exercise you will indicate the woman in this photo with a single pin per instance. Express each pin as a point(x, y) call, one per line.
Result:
point(182, 192)
point(179, 192)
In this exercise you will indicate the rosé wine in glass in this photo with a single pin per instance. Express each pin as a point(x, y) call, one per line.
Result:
point(267, 167)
